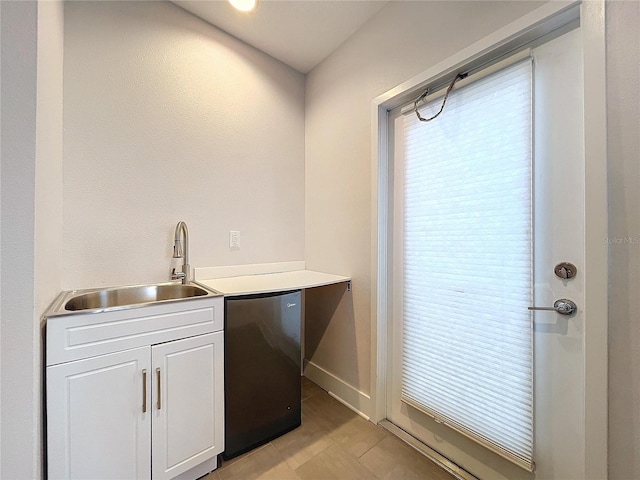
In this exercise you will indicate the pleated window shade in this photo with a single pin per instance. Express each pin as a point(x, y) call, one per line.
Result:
point(467, 267)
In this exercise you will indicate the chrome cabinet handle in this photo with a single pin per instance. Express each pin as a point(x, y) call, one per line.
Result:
point(144, 391)
point(158, 405)
point(563, 307)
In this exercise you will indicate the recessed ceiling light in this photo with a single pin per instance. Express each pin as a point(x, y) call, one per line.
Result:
point(243, 5)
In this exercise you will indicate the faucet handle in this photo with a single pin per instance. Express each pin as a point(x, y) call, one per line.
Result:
point(177, 275)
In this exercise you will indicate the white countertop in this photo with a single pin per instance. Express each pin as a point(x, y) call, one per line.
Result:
point(272, 282)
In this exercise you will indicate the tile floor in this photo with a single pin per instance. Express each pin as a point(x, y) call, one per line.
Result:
point(333, 443)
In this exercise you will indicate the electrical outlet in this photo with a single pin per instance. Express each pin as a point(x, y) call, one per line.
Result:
point(234, 239)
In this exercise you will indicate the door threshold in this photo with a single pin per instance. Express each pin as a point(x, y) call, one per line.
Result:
point(440, 460)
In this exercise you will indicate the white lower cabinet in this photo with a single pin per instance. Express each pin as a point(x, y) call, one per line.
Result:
point(96, 427)
point(187, 427)
point(152, 412)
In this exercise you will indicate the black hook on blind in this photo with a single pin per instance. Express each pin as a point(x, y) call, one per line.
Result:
point(459, 76)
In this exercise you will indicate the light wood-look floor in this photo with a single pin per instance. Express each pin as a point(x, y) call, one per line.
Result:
point(333, 443)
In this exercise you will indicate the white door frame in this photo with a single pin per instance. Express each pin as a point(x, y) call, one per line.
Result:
point(592, 21)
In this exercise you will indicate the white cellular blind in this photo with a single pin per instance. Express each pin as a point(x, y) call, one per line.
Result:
point(467, 262)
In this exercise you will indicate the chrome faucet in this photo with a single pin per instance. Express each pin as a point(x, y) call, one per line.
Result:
point(180, 251)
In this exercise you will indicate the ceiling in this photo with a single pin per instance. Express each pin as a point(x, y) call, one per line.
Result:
point(300, 33)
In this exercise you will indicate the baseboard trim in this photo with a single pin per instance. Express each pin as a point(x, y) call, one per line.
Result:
point(199, 470)
point(346, 394)
point(440, 460)
point(351, 407)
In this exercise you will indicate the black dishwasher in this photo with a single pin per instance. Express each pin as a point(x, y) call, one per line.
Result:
point(261, 369)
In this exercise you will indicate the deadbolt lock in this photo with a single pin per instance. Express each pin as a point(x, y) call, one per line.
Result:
point(565, 270)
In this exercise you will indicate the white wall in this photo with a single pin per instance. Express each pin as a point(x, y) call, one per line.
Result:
point(31, 227)
point(623, 97)
point(19, 47)
point(403, 39)
point(167, 119)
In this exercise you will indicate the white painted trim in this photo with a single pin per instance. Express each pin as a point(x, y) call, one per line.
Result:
point(350, 396)
point(592, 14)
point(428, 452)
point(348, 405)
point(199, 471)
point(596, 230)
point(205, 273)
point(380, 243)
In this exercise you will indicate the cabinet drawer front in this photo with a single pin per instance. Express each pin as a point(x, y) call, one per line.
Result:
point(75, 337)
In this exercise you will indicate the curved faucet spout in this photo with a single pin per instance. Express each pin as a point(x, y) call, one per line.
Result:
point(181, 250)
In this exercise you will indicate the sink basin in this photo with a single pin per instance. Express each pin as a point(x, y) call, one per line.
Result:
point(125, 296)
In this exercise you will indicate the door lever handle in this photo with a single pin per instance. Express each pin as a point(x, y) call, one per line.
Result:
point(563, 307)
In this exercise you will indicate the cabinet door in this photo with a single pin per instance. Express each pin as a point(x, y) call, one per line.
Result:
point(97, 427)
point(188, 410)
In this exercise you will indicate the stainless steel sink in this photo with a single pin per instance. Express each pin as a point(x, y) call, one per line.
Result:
point(124, 297)
point(132, 295)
